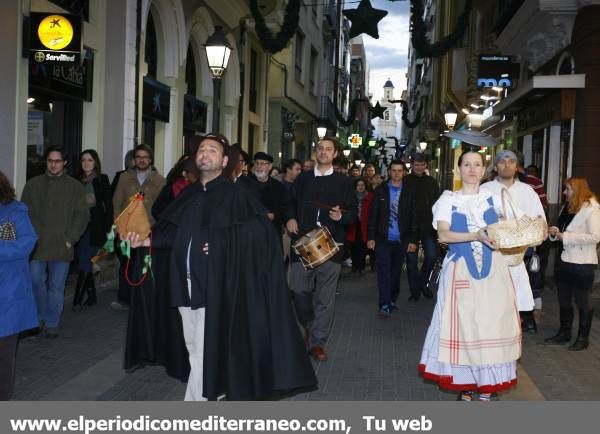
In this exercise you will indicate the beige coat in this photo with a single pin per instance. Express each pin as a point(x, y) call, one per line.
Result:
point(582, 236)
point(129, 185)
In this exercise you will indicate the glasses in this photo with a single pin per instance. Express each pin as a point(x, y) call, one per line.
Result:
point(141, 157)
point(50, 161)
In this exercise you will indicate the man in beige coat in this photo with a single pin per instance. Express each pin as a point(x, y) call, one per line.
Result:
point(141, 178)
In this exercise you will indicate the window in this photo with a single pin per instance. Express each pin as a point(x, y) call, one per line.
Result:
point(314, 56)
point(386, 115)
point(253, 97)
point(190, 72)
point(299, 55)
point(151, 50)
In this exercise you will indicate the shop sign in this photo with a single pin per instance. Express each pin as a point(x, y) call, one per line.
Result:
point(64, 79)
point(355, 141)
point(156, 100)
point(194, 113)
point(497, 70)
point(55, 37)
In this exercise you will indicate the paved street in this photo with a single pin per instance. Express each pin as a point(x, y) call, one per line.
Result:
point(370, 358)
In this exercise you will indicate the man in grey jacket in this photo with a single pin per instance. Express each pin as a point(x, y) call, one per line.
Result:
point(60, 214)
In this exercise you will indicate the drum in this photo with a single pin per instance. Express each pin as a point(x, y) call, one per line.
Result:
point(315, 248)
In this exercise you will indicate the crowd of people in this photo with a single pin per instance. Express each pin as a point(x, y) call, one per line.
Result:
point(233, 309)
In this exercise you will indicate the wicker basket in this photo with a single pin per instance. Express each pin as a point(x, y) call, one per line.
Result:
point(513, 237)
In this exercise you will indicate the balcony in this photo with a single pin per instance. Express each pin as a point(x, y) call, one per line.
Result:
point(328, 112)
point(329, 17)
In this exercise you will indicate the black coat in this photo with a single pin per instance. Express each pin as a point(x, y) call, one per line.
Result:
point(101, 215)
point(378, 226)
point(310, 198)
point(425, 188)
point(273, 197)
point(252, 345)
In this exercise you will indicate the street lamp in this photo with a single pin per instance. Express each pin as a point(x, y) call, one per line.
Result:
point(423, 146)
point(346, 152)
point(357, 162)
point(450, 117)
point(217, 53)
point(321, 132)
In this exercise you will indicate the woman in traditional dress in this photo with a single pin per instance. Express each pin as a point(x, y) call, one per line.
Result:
point(474, 338)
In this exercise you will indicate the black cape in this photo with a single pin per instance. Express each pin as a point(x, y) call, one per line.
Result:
point(252, 344)
point(154, 329)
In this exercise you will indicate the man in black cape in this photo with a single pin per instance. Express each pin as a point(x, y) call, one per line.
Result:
point(228, 281)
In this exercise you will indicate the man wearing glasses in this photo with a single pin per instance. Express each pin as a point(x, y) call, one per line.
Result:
point(141, 178)
point(60, 214)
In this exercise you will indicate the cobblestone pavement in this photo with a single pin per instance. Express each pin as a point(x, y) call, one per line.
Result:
point(370, 358)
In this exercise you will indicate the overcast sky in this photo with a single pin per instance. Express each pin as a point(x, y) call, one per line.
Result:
point(388, 55)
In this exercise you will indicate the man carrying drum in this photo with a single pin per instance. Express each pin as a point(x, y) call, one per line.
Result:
point(320, 198)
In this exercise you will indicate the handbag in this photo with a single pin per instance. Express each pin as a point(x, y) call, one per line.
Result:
point(534, 263)
point(513, 236)
point(8, 230)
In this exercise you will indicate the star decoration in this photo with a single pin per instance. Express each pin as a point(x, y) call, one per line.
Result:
point(364, 19)
point(377, 111)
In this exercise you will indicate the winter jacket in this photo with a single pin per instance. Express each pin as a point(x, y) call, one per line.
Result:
point(365, 210)
point(129, 185)
point(424, 188)
point(59, 214)
point(582, 235)
point(378, 224)
point(17, 305)
point(101, 215)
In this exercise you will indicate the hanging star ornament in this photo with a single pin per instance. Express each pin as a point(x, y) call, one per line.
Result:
point(364, 19)
point(377, 111)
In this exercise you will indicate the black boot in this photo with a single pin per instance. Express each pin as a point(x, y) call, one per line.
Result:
point(90, 288)
point(564, 332)
point(585, 324)
point(79, 290)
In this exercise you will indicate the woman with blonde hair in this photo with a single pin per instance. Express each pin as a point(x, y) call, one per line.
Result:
point(578, 229)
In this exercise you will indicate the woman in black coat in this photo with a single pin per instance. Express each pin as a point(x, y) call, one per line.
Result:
point(99, 199)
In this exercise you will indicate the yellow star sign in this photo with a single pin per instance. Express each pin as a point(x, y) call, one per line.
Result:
point(55, 32)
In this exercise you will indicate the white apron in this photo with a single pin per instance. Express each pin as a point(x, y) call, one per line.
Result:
point(480, 320)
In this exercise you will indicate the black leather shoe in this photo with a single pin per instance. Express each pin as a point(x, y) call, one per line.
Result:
point(414, 297)
point(426, 293)
point(579, 345)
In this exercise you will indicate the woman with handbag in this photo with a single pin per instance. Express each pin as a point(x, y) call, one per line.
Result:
point(578, 229)
point(17, 305)
point(98, 197)
point(474, 338)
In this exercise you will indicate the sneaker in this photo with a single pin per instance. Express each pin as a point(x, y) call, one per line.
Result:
point(119, 307)
point(385, 310)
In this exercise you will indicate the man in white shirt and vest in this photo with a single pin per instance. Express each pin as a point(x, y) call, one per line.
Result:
point(526, 200)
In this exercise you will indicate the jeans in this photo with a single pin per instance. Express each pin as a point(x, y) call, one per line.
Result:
point(390, 258)
point(48, 278)
point(416, 279)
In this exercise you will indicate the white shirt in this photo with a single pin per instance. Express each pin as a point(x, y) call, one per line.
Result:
point(326, 173)
point(523, 195)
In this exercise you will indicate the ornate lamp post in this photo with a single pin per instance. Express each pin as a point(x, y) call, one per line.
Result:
point(217, 53)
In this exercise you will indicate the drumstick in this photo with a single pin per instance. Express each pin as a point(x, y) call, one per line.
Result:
point(322, 205)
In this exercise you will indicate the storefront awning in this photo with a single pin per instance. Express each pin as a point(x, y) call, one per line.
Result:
point(536, 88)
